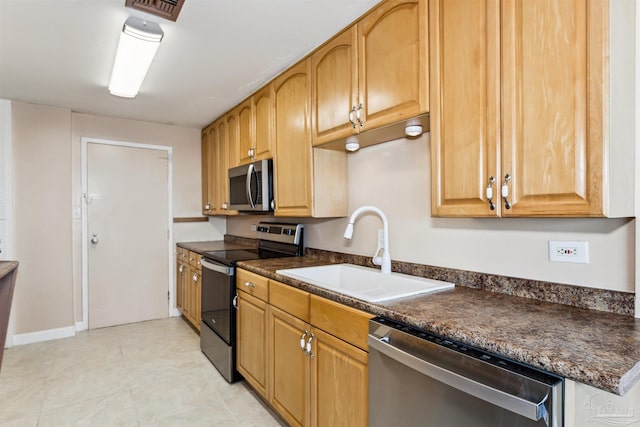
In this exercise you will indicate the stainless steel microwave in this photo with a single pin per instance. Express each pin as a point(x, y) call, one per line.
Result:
point(251, 187)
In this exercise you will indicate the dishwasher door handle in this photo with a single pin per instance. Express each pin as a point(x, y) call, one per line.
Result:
point(217, 267)
point(532, 410)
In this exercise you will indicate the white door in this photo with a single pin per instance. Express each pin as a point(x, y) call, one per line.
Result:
point(127, 221)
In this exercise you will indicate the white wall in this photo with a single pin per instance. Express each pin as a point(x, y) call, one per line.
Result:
point(395, 177)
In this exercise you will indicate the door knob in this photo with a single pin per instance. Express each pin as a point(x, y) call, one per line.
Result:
point(94, 239)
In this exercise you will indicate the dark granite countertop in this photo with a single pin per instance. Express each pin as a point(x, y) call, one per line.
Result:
point(593, 347)
point(213, 245)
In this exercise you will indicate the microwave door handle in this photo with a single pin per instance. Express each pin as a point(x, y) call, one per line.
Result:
point(249, 174)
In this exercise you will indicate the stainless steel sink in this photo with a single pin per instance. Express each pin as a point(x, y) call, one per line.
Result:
point(365, 283)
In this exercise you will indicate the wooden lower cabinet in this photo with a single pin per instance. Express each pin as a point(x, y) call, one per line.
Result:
point(339, 382)
point(188, 286)
point(314, 377)
point(252, 341)
point(289, 368)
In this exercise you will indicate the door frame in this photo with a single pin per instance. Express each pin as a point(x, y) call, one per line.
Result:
point(85, 141)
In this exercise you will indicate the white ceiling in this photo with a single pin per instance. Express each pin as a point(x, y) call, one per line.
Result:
point(60, 53)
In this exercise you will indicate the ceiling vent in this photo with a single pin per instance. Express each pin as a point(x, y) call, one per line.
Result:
point(167, 9)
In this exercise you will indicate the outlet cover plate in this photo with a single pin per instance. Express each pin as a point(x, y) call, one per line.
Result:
point(574, 251)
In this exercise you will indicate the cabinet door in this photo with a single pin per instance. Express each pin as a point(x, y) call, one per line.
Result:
point(245, 131)
point(553, 57)
point(339, 383)
point(252, 341)
point(293, 167)
point(465, 109)
point(262, 107)
point(289, 368)
point(206, 167)
point(179, 282)
point(334, 87)
point(233, 140)
point(197, 300)
point(222, 167)
point(393, 75)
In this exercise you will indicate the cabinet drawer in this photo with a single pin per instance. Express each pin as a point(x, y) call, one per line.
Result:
point(346, 323)
point(253, 284)
point(193, 259)
point(287, 298)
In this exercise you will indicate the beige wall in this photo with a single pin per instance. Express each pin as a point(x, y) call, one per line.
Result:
point(395, 177)
point(47, 189)
point(186, 178)
point(42, 217)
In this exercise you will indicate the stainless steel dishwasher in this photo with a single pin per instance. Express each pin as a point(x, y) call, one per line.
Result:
point(417, 378)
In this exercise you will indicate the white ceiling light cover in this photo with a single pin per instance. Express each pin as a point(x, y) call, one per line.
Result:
point(138, 44)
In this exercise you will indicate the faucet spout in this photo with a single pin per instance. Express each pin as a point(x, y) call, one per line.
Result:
point(385, 262)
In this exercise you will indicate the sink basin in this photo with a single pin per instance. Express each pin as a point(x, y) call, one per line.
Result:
point(365, 283)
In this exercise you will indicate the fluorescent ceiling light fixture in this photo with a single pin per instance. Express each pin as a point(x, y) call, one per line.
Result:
point(139, 42)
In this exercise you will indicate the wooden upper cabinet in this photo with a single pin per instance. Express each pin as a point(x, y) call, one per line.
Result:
point(393, 78)
point(552, 81)
point(255, 126)
point(233, 137)
point(263, 115)
point(372, 74)
point(213, 185)
point(206, 166)
point(334, 79)
point(519, 92)
point(465, 106)
point(293, 167)
point(245, 131)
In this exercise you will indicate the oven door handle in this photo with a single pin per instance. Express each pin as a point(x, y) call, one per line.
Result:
point(219, 268)
point(532, 410)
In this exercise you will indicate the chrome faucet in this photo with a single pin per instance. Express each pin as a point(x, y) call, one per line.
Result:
point(385, 260)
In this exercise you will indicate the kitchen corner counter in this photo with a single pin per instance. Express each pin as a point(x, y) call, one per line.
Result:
point(213, 245)
point(7, 267)
point(592, 347)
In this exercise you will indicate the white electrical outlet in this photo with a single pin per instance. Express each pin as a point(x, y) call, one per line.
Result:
point(576, 251)
point(253, 227)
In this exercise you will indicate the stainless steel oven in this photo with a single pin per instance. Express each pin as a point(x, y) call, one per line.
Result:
point(417, 378)
point(218, 323)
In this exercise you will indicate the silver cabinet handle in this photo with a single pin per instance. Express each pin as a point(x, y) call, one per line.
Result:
point(195, 277)
point(181, 269)
point(492, 205)
point(359, 115)
point(207, 206)
point(505, 191)
point(250, 284)
point(95, 239)
point(302, 340)
point(526, 408)
point(351, 114)
point(308, 349)
point(235, 302)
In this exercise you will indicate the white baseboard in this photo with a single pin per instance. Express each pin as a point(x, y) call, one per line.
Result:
point(51, 334)
point(174, 312)
point(80, 326)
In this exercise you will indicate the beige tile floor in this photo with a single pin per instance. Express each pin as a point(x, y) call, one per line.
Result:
point(143, 374)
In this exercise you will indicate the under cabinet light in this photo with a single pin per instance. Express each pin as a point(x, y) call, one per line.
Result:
point(352, 144)
point(413, 130)
point(138, 44)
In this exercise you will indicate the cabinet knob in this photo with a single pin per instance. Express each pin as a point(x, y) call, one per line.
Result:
point(250, 284)
point(181, 269)
point(308, 348)
point(505, 191)
point(302, 340)
point(195, 277)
